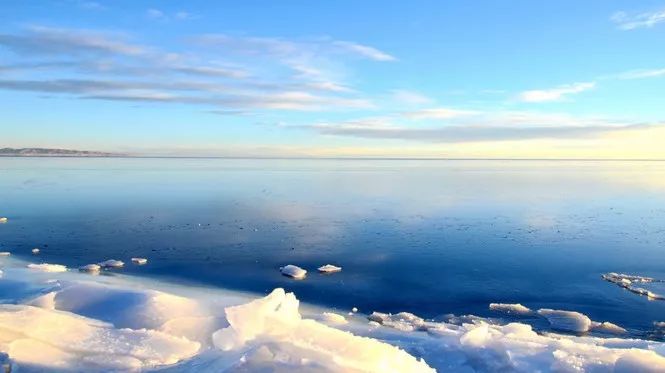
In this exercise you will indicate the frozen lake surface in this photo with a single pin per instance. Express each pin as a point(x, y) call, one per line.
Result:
point(428, 237)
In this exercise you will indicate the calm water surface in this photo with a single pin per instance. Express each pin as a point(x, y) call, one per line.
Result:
point(430, 237)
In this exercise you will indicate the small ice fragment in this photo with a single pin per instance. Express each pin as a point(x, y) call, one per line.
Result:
point(329, 268)
point(354, 310)
point(566, 320)
point(3, 220)
point(607, 327)
point(112, 263)
point(45, 267)
point(139, 261)
point(91, 268)
point(334, 318)
point(293, 271)
point(510, 308)
point(35, 251)
point(5, 253)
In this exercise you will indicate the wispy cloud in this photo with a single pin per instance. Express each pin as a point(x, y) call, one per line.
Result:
point(461, 126)
point(406, 97)
point(642, 74)
point(555, 94)
point(438, 113)
point(626, 21)
point(365, 51)
point(281, 75)
point(56, 41)
point(160, 15)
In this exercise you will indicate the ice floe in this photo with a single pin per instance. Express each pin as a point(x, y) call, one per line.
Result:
point(5, 253)
point(139, 261)
point(329, 268)
point(46, 267)
point(91, 268)
point(510, 308)
point(35, 251)
point(632, 284)
point(112, 263)
point(569, 321)
point(3, 220)
point(293, 271)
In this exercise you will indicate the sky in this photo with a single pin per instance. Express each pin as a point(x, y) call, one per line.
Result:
point(453, 79)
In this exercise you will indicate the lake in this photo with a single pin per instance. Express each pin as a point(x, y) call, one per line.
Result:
point(430, 237)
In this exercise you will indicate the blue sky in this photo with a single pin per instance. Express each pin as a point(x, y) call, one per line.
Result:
point(335, 78)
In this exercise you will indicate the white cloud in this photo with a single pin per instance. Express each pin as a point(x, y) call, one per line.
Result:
point(557, 93)
point(641, 74)
point(155, 14)
point(407, 97)
point(365, 51)
point(627, 21)
point(438, 113)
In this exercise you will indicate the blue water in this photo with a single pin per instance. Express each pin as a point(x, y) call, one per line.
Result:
point(429, 237)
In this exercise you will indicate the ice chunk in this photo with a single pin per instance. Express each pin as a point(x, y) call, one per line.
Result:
point(45, 267)
point(640, 361)
point(510, 308)
point(5, 253)
point(570, 321)
point(112, 263)
point(35, 251)
point(3, 220)
point(139, 261)
point(333, 318)
point(92, 268)
point(629, 283)
point(293, 271)
point(403, 321)
point(329, 268)
point(607, 327)
point(274, 324)
point(354, 309)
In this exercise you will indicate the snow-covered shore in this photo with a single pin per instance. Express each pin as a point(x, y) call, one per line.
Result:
point(53, 321)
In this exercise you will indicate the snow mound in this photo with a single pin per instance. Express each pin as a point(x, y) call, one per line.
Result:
point(293, 271)
point(273, 326)
point(404, 321)
point(67, 341)
point(45, 267)
point(510, 308)
point(112, 263)
point(333, 318)
point(329, 268)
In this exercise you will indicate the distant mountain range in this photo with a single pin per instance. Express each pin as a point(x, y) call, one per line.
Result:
point(45, 152)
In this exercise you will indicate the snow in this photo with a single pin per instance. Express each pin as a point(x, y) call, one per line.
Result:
point(45, 267)
point(139, 261)
point(293, 271)
point(87, 323)
point(333, 318)
point(111, 263)
point(569, 321)
point(329, 268)
point(510, 308)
